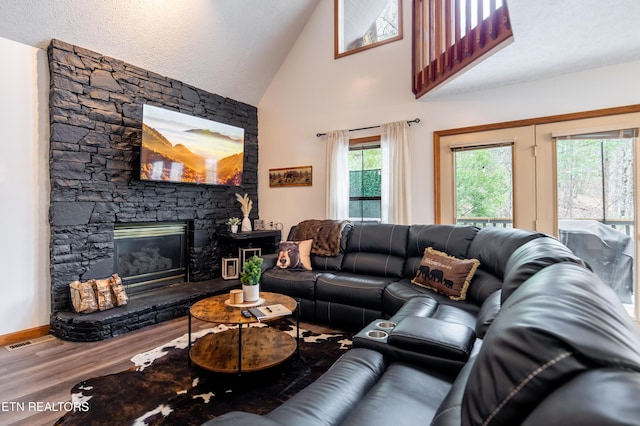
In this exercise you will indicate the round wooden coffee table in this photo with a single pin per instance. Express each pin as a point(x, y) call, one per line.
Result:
point(241, 349)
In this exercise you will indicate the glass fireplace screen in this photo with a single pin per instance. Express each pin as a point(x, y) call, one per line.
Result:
point(150, 255)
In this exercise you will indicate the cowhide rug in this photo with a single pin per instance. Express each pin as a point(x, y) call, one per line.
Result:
point(161, 389)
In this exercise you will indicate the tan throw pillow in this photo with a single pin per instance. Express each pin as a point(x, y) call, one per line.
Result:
point(445, 274)
point(294, 255)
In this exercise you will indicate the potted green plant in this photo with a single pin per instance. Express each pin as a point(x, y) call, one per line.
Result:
point(233, 223)
point(250, 278)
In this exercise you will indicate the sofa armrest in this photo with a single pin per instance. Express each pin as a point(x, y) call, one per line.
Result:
point(488, 312)
point(433, 336)
point(329, 399)
point(269, 261)
point(417, 306)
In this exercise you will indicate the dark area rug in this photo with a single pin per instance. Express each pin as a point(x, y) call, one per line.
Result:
point(161, 389)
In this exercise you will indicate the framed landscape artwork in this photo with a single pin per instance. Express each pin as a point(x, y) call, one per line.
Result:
point(290, 176)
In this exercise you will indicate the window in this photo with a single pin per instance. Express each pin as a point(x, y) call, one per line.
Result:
point(483, 185)
point(363, 24)
point(365, 162)
point(450, 35)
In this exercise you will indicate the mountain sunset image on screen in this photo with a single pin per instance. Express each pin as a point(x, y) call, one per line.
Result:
point(182, 148)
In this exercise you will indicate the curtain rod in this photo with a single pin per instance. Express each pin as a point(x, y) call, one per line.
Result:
point(417, 120)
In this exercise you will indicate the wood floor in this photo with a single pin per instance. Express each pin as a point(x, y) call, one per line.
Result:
point(34, 375)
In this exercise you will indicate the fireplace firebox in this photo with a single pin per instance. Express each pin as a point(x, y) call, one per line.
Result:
point(151, 255)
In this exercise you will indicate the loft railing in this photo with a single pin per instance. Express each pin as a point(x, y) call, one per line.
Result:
point(449, 35)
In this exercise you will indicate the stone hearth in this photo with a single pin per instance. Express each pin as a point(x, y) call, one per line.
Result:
point(95, 111)
point(143, 309)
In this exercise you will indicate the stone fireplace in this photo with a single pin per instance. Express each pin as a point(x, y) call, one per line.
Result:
point(95, 110)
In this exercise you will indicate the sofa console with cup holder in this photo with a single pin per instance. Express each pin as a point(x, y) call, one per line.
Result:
point(536, 339)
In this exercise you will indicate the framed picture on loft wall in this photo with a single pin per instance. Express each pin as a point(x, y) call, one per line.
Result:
point(291, 176)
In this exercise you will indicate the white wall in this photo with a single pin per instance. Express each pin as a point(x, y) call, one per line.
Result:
point(313, 93)
point(24, 188)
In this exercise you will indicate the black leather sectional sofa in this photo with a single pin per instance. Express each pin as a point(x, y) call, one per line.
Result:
point(539, 340)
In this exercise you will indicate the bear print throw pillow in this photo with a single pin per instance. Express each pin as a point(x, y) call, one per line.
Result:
point(445, 274)
point(294, 255)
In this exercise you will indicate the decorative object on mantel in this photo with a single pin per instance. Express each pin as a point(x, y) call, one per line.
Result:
point(291, 176)
point(93, 295)
point(233, 223)
point(247, 205)
point(250, 278)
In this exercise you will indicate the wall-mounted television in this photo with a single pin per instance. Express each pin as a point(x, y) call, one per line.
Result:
point(182, 148)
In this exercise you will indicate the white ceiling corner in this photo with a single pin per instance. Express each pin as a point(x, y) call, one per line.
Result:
point(234, 48)
point(231, 48)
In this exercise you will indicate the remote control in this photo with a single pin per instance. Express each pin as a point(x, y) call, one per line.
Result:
point(246, 314)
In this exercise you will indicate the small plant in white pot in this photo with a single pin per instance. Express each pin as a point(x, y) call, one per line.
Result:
point(233, 223)
point(250, 278)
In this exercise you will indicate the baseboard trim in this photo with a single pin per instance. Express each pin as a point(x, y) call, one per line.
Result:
point(18, 336)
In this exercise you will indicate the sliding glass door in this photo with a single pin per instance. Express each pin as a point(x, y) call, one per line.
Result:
point(595, 202)
point(576, 180)
point(595, 206)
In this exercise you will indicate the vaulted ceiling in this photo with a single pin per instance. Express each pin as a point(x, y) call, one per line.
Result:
point(555, 37)
point(235, 47)
point(232, 48)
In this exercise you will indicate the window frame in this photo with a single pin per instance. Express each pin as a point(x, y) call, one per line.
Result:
point(338, 30)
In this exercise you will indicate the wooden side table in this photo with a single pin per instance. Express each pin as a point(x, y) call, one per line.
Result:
point(241, 349)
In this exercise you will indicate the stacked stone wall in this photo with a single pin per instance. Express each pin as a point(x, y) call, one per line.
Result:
point(95, 109)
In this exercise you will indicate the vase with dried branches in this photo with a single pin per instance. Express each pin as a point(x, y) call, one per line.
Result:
point(246, 206)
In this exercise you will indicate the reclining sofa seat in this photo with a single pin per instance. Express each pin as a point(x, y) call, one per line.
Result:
point(561, 351)
point(301, 284)
point(374, 257)
point(371, 277)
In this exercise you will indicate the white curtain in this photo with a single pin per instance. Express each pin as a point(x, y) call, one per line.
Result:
point(337, 174)
point(396, 174)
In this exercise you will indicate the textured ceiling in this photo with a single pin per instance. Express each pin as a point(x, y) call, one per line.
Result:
point(234, 48)
point(229, 47)
point(554, 37)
